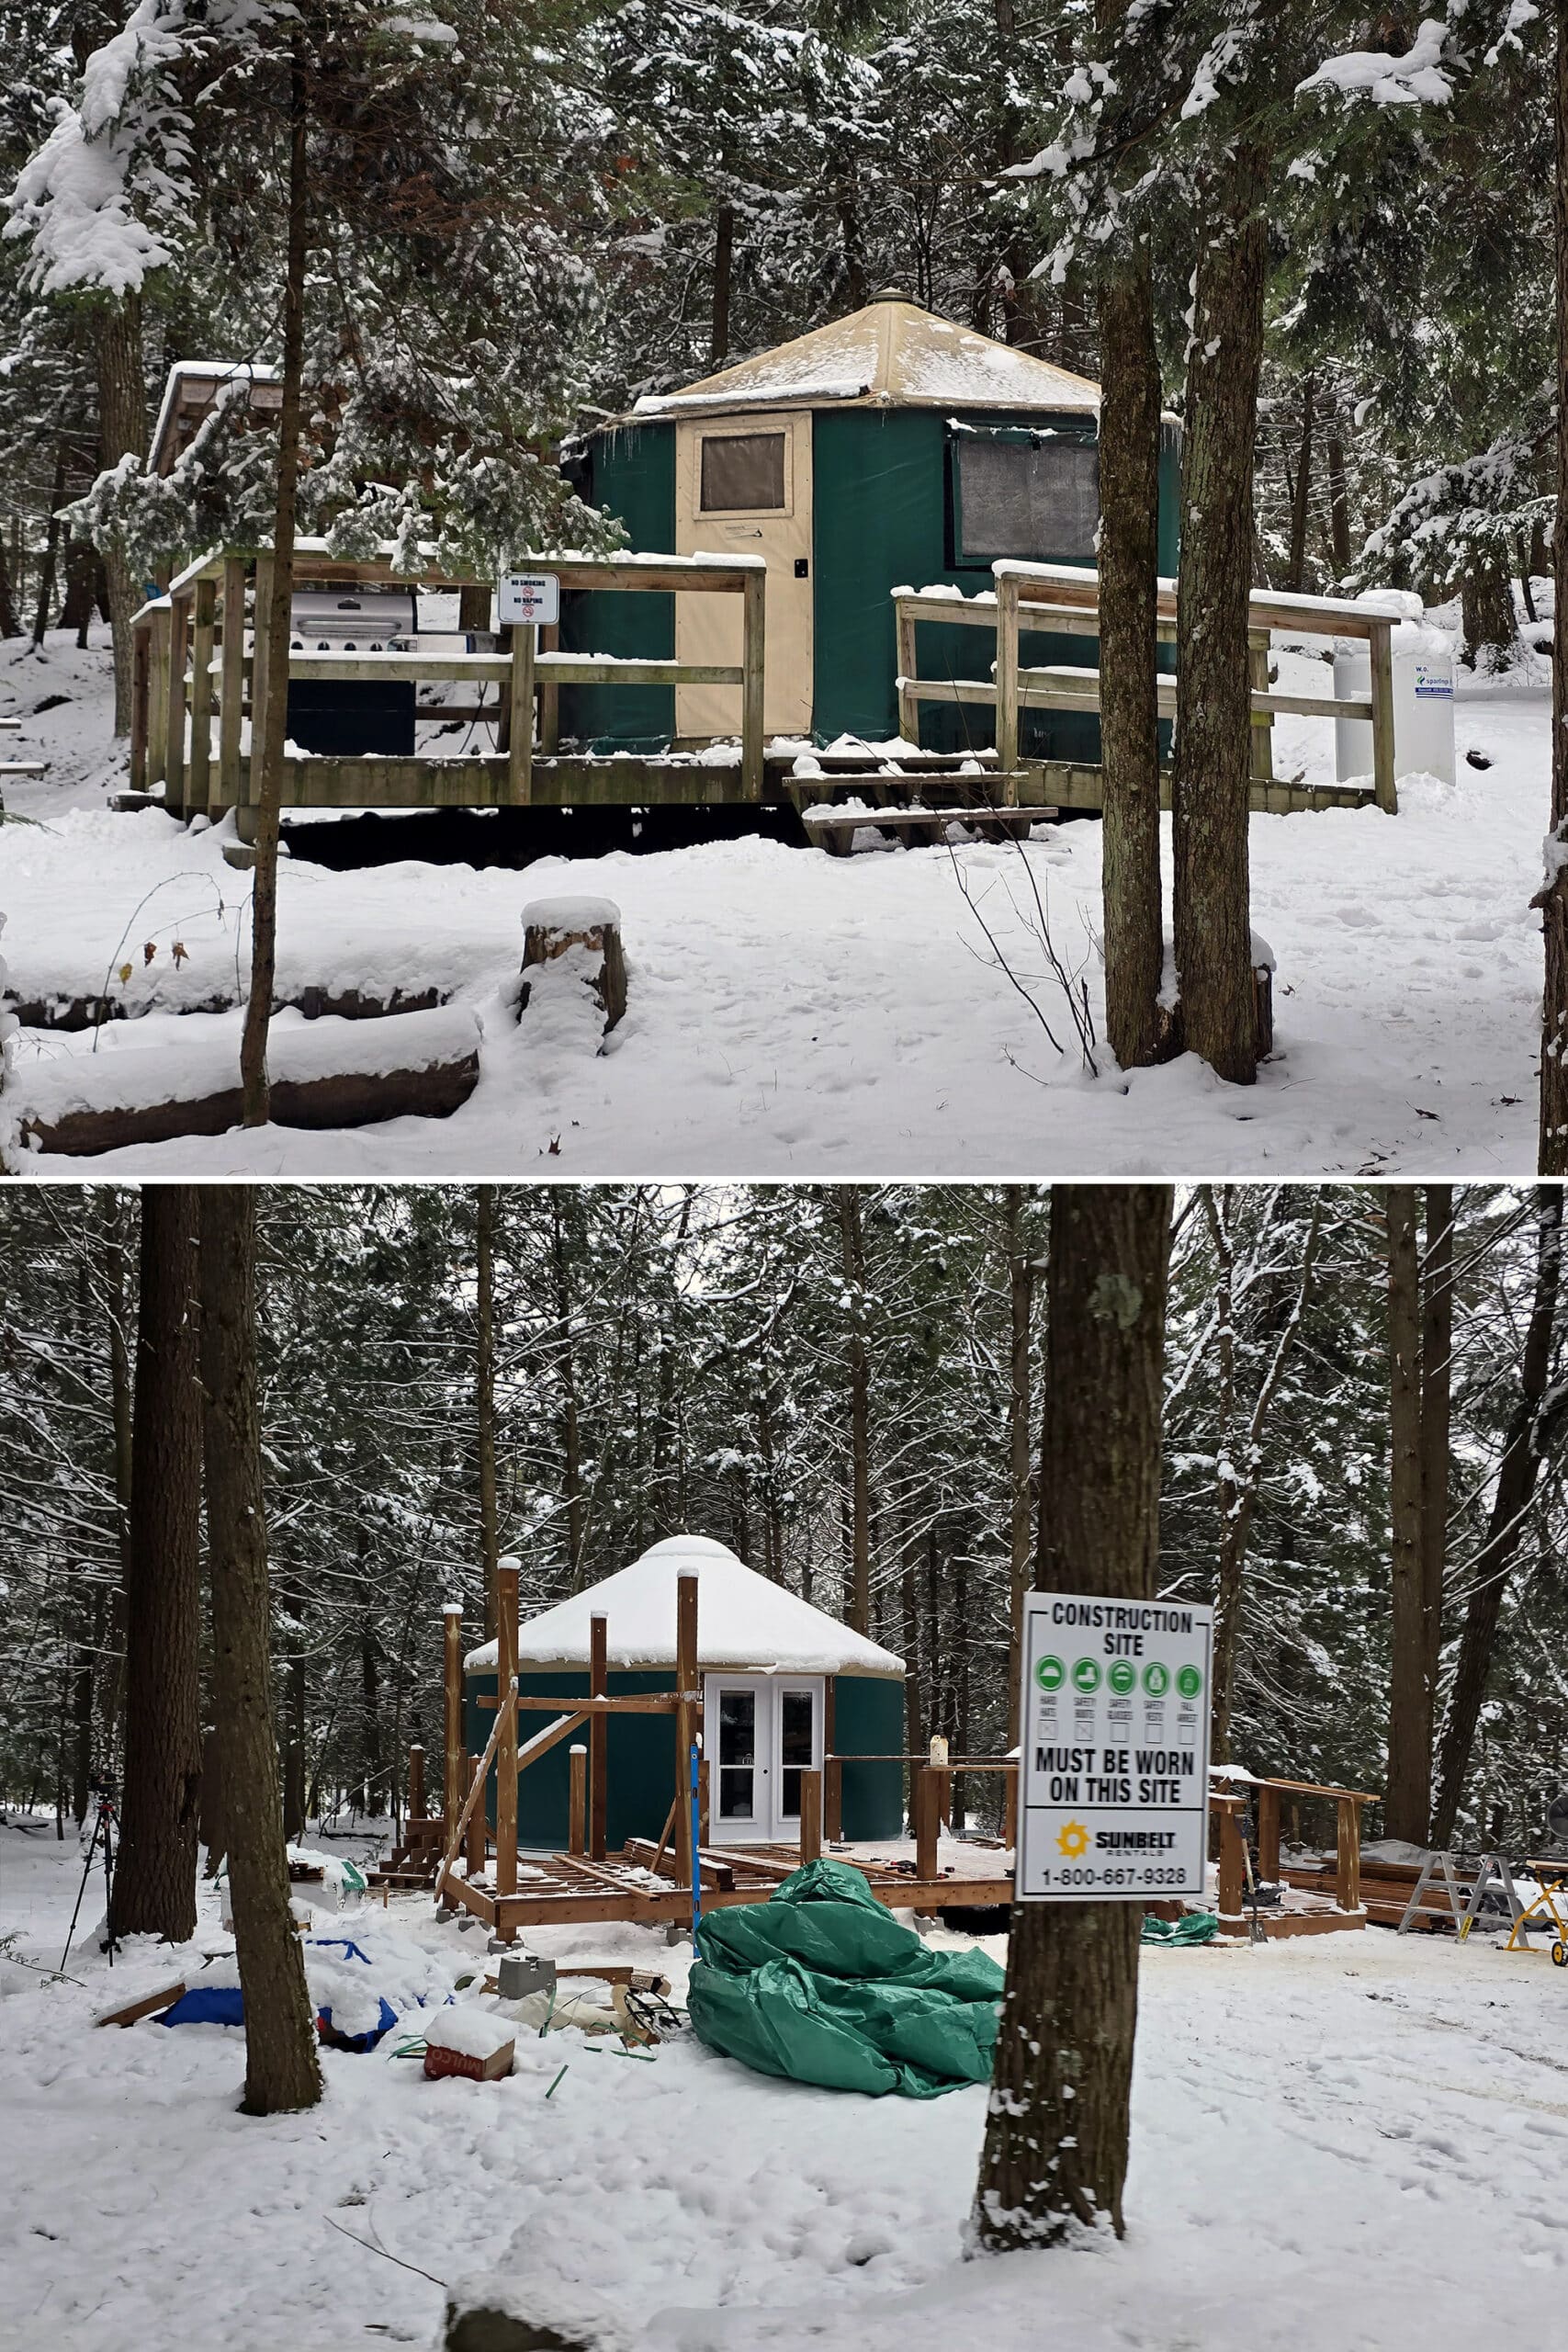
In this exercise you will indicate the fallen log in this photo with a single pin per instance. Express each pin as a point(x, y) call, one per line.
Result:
point(423, 1065)
point(70, 1015)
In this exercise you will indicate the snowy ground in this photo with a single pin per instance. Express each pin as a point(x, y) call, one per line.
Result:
point(792, 1013)
point(1331, 2136)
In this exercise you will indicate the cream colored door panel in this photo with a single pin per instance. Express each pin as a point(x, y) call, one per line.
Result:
point(743, 487)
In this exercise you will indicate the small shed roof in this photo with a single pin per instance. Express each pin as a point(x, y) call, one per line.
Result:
point(743, 1620)
point(891, 354)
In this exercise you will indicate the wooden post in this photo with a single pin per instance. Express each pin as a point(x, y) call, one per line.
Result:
point(474, 1853)
point(506, 1756)
point(1384, 774)
point(454, 1785)
point(753, 655)
point(908, 701)
point(416, 1783)
point(549, 698)
point(1347, 1857)
point(1010, 1805)
point(1262, 721)
point(577, 1833)
point(1269, 1833)
point(810, 1813)
point(141, 647)
point(232, 685)
point(158, 698)
point(686, 1720)
point(261, 653)
point(520, 737)
point(598, 1735)
point(926, 1799)
point(832, 1765)
point(1006, 687)
point(705, 1818)
point(203, 614)
point(1233, 1869)
point(175, 765)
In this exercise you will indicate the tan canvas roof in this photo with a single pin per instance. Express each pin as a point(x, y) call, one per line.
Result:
point(891, 354)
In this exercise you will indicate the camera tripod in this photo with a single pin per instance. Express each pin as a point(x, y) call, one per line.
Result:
point(103, 1826)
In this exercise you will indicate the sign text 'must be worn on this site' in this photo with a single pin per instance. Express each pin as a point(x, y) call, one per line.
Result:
point(1113, 1798)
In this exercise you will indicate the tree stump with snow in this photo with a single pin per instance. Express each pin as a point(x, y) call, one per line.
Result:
point(486, 2328)
point(589, 927)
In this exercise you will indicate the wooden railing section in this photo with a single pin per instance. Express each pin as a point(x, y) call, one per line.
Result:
point(200, 653)
point(1059, 599)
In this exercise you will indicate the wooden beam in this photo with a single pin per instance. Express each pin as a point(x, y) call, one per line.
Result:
point(473, 1801)
point(1233, 1868)
point(231, 686)
point(506, 1724)
point(811, 1815)
point(1269, 1833)
point(519, 740)
point(203, 616)
point(832, 1767)
point(158, 698)
point(1006, 683)
point(451, 1717)
point(549, 691)
point(1348, 1856)
point(543, 1741)
point(927, 1805)
point(263, 667)
point(474, 1854)
point(174, 766)
point(598, 1734)
point(753, 666)
point(908, 663)
point(577, 1834)
point(619, 1702)
point(686, 1722)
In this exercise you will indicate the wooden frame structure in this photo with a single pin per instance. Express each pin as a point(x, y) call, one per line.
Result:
point(583, 1884)
point(201, 652)
point(1065, 601)
point(1346, 1909)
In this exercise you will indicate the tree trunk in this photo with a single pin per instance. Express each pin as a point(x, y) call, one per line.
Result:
point(155, 1878)
point(1338, 506)
point(50, 552)
point(9, 623)
point(1487, 603)
point(1135, 1023)
point(1408, 1800)
point(112, 1698)
point(723, 280)
point(484, 1407)
point(1553, 1138)
point(851, 1238)
point(1020, 1294)
point(1056, 2152)
point(80, 567)
point(1211, 791)
point(1300, 503)
point(1229, 1564)
point(572, 1447)
point(267, 755)
point(1437, 1390)
point(122, 430)
point(281, 2072)
point(1534, 1425)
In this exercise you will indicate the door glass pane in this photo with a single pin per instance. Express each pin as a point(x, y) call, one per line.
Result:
point(736, 1754)
point(742, 471)
point(797, 1747)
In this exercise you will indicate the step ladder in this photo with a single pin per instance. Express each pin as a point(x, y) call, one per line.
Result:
point(1494, 1873)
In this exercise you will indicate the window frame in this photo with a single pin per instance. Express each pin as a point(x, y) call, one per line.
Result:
point(1019, 435)
point(747, 429)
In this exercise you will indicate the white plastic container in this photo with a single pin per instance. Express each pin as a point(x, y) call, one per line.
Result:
point(1422, 697)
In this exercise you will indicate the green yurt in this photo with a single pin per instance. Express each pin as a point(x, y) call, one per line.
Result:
point(892, 448)
point(784, 1684)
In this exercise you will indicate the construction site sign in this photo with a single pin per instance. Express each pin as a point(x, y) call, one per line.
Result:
point(1113, 1768)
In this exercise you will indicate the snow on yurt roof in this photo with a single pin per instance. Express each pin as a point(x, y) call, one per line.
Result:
point(891, 354)
point(743, 1620)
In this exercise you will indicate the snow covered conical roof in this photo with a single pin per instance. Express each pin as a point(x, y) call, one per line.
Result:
point(743, 1620)
point(891, 354)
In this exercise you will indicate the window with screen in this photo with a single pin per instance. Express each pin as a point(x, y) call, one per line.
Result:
point(1037, 500)
point(742, 472)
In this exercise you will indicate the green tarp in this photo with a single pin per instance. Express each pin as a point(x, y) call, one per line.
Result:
point(821, 1984)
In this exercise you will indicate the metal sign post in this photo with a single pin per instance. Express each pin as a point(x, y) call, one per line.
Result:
point(1113, 1797)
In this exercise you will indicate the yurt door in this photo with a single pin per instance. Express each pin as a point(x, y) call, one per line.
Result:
point(743, 487)
point(760, 1733)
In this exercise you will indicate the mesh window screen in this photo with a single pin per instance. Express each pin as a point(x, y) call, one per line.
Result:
point(1023, 499)
point(742, 470)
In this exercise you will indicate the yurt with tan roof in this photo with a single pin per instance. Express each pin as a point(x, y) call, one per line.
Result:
point(783, 1685)
point(889, 448)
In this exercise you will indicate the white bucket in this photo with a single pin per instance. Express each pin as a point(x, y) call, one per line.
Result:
point(1423, 704)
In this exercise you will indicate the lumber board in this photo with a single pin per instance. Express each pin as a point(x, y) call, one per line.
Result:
point(146, 2005)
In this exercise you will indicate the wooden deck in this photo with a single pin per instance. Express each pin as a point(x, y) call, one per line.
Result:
point(566, 1890)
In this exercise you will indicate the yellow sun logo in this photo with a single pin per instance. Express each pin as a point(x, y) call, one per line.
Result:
point(1072, 1839)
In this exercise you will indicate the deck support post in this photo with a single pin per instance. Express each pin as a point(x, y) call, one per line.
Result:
point(908, 701)
point(1233, 1868)
point(262, 664)
point(1269, 1833)
point(158, 698)
point(232, 685)
point(474, 1852)
point(1384, 780)
point(577, 1829)
point(1348, 1856)
point(416, 1783)
point(1262, 721)
point(811, 1815)
point(519, 723)
point(204, 611)
point(686, 1719)
point(1006, 687)
point(506, 1754)
point(754, 648)
point(174, 764)
point(598, 1735)
point(454, 1783)
point(927, 1810)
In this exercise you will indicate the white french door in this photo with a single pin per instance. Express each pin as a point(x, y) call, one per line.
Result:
point(759, 1731)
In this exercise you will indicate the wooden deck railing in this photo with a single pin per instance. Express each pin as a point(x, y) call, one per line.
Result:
point(1060, 600)
point(200, 655)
